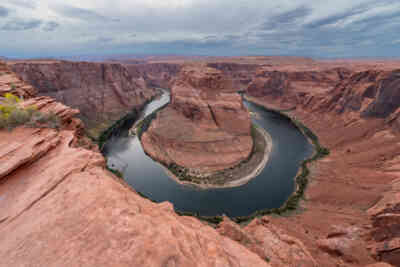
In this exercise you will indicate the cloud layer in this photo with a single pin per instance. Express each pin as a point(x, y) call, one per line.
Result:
point(339, 28)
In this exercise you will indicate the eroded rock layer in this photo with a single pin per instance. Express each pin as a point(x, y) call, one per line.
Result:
point(103, 92)
point(205, 127)
point(353, 109)
point(59, 206)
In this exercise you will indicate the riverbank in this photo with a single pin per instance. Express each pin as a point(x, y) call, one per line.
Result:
point(248, 171)
point(301, 178)
point(132, 117)
point(238, 175)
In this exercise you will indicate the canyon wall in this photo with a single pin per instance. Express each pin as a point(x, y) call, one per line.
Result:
point(59, 206)
point(158, 75)
point(49, 181)
point(240, 74)
point(103, 92)
point(205, 127)
point(352, 207)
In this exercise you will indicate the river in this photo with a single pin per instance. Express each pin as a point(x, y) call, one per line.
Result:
point(270, 189)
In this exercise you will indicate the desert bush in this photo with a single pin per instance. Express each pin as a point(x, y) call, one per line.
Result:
point(12, 115)
point(17, 117)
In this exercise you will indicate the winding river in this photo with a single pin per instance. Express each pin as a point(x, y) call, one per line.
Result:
point(270, 189)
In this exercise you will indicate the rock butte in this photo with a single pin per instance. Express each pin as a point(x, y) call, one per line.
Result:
point(205, 128)
point(59, 206)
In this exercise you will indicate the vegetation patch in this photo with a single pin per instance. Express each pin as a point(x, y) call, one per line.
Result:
point(117, 173)
point(116, 127)
point(144, 124)
point(221, 178)
point(12, 115)
point(290, 205)
point(301, 179)
point(120, 125)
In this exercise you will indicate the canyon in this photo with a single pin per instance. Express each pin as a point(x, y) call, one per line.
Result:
point(103, 92)
point(205, 128)
point(60, 206)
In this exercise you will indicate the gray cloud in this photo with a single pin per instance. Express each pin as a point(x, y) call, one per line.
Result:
point(287, 19)
point(104, 39)
point(222, 27)
point(79, 13)
point(21, 25)
point(51, 26)
point(23, 3)
point(4, 12)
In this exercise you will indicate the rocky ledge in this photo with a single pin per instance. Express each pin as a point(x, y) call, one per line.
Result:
point(206, 128)
point(59, 206)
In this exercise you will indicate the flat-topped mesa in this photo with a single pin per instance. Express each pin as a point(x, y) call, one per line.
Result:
point(205, 128)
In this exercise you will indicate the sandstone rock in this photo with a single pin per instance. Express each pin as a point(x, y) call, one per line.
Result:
point(65, 209)
point(159, 75)
point(379, 264)
point(341, 242)
point(103, 92)
point(10, 83)
point(385, 216)
point(241, 74)
point(205, 127)
point(269, 242)
point(387, 99)
point(48, 105)
point(60, 207)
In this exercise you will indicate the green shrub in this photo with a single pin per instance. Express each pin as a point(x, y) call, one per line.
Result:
point(18, 117)
point(11, 115)
point(117, 173)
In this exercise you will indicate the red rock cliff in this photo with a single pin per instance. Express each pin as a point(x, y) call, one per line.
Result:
point(103, 92)
point(60, 207)
point(206, 126)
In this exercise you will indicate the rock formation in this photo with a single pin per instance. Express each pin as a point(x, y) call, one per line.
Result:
point(159, 75)
point(9, 83)
point(205, 127)
point(60, 207)
point(240, 74)
point(353, 109)
point(385, 217)
point(103, 92)
point(269, 242)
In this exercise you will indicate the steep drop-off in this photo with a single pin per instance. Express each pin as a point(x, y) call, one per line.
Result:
point(350, 217)
point(60, 207)
point(355, 114)
point(205, 128)
point(103, 92)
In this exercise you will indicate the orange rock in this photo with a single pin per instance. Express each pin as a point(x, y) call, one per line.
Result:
point(205, 127)
point(269, 242)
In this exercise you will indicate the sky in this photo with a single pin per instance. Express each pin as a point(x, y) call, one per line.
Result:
point(312, 28)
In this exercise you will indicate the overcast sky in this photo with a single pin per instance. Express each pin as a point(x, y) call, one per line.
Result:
point(317, 28)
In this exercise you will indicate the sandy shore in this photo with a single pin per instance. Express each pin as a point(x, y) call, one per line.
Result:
point(240, 180)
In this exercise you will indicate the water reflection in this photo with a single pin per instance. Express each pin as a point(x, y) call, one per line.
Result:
point(269, 189)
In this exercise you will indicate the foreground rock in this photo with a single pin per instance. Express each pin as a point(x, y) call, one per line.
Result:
point(60, 207)
point(385, 217)
point(10, 83)
point(269, 242)
point(65, 209)
point(205, 128)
